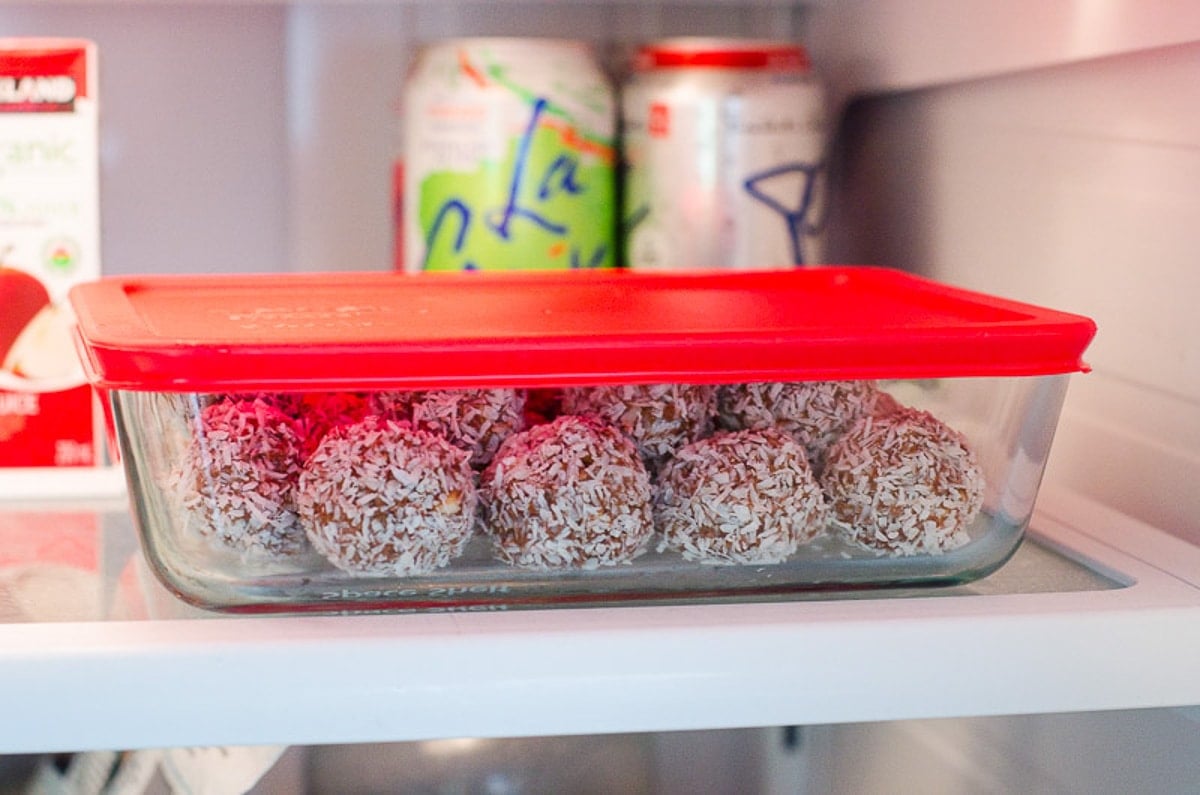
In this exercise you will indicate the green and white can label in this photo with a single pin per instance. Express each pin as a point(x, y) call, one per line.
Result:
point(509, 158)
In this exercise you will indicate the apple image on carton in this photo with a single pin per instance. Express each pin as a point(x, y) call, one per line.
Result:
point(22, 296)
point(35, 334)
point(44, 350)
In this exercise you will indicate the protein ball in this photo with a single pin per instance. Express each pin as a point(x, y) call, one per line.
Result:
point(660, 418)
point(237, 477)
point(569, 494)
point(379, 497)
point(904, 483)
point(477, 420)
point(739, 497)
point(816, 413)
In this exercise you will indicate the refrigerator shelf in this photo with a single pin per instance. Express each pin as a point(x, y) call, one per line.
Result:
point(1065, 627)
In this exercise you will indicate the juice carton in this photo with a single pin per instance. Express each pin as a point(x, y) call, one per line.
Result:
point(49, 242)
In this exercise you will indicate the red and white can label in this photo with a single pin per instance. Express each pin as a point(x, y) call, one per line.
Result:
point(725, 164)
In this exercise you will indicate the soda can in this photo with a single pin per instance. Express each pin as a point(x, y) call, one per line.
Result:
point(725, 144)
point(509, 157)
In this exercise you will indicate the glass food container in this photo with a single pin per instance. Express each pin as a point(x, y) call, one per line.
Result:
point(488, 441)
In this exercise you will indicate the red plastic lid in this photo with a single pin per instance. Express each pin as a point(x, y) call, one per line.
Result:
point(690, 52)
point(389, 330)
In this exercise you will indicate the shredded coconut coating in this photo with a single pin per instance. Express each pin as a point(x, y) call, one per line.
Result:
point(237, 477)
point(391, 404)
point(380, 497)
point(660, 418)
point(744, 497)
point(477, 420)
point(904, 484)
point(572, 493)
point(816, 413)
point(314, 413)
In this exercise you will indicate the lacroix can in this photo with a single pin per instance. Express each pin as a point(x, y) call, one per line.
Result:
point(509, 157)
point(725, 146)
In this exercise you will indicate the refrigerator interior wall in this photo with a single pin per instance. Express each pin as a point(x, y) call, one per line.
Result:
point(1078, 754)
point(193, 130)
point(1075, 187)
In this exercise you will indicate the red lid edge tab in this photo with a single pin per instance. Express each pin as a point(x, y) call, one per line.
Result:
point(699, 53)
point(389, 330)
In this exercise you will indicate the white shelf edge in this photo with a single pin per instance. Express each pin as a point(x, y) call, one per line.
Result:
point(295, 680)
point(876, 46)
point(33, 484)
